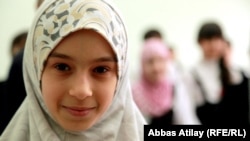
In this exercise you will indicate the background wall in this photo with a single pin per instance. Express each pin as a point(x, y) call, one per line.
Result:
point(16, 16)
point(178, 20)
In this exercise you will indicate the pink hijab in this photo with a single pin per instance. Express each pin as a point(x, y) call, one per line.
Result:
point(153, 99)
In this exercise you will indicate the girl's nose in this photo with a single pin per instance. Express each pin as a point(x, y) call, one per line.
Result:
point(80, 87)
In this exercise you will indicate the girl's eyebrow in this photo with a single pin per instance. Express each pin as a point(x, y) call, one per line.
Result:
point(105, 59)
point(100, 59)
point(60, 55)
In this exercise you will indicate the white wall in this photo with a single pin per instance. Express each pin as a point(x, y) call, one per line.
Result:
point(16, 16)
point(178, 20)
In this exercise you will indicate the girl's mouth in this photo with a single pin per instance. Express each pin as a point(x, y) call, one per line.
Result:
point(79, 111)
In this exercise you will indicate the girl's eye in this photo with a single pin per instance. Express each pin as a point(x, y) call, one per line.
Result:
point(100, 69)
point(62, 67)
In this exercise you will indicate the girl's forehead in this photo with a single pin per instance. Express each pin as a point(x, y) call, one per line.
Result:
point(84, 43)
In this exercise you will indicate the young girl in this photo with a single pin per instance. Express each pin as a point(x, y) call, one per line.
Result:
point(162, 99)
point(76, 77)
point(220, 88)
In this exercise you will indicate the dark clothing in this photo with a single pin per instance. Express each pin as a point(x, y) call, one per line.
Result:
point(235, 104)
point(208, 113)
point(165, 120)
point(233, 109)
point(2, 88)
point(14, 92)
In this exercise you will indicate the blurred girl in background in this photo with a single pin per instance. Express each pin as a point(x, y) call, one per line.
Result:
point(161, 100)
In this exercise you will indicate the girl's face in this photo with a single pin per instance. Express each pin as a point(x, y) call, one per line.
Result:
point(212, 48)
point(154, 68)
point(79, 80)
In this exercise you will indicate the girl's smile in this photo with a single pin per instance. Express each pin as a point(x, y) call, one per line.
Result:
point(79, 111)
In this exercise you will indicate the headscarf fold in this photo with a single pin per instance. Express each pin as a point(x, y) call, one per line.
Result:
point(55, 20)
point(153, 99)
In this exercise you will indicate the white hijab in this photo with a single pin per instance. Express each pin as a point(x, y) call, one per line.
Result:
point(56, 19)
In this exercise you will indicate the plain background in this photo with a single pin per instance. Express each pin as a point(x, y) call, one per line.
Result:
point(178, 20)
